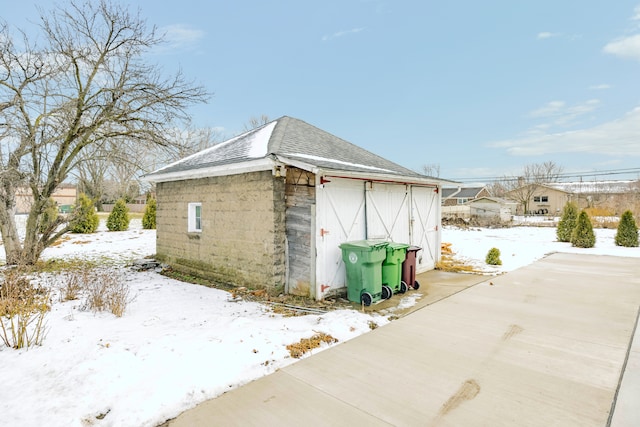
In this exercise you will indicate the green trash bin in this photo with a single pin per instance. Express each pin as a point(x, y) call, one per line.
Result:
point(392, 269)
point(65, 209)
point(363, 263)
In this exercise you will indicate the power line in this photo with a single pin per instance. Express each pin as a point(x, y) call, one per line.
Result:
point(610, 172)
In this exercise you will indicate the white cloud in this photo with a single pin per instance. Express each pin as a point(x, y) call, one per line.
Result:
point(600, 87)
point(616, 138)
point(341, 34)
point(553, 108)
point(636, 14)
point(547, 35)
point(561, 114)
point(180, 36)
point(626, 47)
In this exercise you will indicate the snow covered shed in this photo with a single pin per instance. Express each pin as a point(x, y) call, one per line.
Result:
point(270, 207)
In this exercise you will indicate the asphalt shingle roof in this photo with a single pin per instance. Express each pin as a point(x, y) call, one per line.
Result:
point(290, 138)
point(464, 193)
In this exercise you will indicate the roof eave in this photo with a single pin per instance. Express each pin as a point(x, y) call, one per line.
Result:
point(379, 177)
point(256, 165)
point(369, 176)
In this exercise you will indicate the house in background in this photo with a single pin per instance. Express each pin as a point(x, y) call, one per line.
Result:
point(64, 195)
point(454, 201)
point(550, 198)
point(269, 209)
point(461, 195)
point(614, 195)
point(541, 199)
point(492, 209)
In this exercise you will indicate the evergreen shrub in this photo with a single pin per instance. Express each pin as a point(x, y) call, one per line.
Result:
point(118, 219)
point(85, 219)
point(567, 222)
point(583, 235)
point(493, 257)
point(627, 234)
point(149, 217)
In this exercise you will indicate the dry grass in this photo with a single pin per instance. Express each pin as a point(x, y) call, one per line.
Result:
point(599, 211)
point(23, 307)
point(61, 240)
point(72, 284)
point(106, 291)
point(305, 345)
point(450, 264)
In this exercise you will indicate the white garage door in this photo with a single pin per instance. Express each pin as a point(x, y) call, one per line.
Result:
point(425, 221)
point(388, 212)
point(340, 218)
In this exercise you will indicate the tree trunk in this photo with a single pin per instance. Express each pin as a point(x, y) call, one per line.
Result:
point(8, 229)
point(32, 246)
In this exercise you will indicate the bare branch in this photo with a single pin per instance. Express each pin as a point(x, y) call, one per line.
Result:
point(86, 88)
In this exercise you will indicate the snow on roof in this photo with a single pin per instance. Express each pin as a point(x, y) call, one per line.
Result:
point(258, 143)
point(590, 187)
point(249, 145)
point(338, 162)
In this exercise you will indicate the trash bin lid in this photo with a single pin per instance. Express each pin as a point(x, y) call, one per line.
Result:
point(394, 245)
point(364, 244)
point(414, 248)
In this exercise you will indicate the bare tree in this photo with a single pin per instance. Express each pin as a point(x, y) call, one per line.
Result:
point(189, 140)
point(498, 188)
point(521, 188)
point(431, 169)
point(92, 172)
point(85, 86)
point(255, 122)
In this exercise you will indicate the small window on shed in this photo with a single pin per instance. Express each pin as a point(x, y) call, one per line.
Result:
point(195, 217)
point(541, 199)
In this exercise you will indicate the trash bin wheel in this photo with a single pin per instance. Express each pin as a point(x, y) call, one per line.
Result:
point(366, 298)
point(386, 292)
point(403, 287)
point(416, 285)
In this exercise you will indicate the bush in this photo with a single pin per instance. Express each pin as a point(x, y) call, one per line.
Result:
point(118, 219)
point(149, 217)
point(627, 234)
point(567, 222)
point(85, 219)
point(106, 291)
point(100, 289)
point(23, 308)
point(48, 216)
point(583, 236)
point(493, 257)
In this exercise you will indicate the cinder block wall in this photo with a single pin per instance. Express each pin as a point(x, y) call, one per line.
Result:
point(243, 229)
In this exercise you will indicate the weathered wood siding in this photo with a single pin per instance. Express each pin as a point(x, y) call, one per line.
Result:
point(300, 207)
point(242, 241)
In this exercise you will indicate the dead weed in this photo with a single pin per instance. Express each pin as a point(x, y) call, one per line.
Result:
point(450, 264)
point(297, 350)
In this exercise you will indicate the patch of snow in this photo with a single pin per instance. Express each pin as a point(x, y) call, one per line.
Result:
point(520, 246)
point(177, 345)
point(592, 187)
point(338, 162)
point(259, 141)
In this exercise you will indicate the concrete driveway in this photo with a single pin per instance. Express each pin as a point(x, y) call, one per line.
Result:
point(545, 345)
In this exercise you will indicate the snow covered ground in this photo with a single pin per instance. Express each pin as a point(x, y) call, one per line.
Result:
point(179, 344)
point(520, 246)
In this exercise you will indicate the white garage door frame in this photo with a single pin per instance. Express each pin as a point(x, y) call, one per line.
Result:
point(357, 209)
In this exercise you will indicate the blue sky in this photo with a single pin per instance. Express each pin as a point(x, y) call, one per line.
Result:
point(479, 88)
